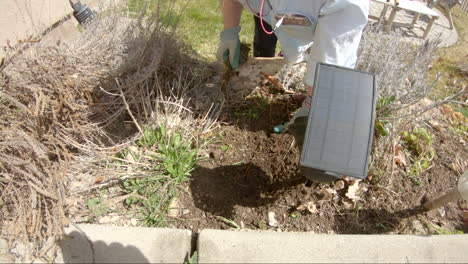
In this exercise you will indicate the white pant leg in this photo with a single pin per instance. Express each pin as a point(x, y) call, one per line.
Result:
point(337, 35)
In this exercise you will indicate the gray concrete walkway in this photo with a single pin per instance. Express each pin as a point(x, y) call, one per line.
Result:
point(217, 246)
point(109, 244)
point(440, 28)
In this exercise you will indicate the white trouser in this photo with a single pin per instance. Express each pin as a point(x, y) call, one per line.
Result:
point(334, 39)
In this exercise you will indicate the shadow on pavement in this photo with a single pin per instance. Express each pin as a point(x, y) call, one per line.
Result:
point(77, 248)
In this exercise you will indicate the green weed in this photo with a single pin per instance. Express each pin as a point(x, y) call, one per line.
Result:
point(262, 225)
point(294, 215)
point(419, 144)
point(193, 259)
point(381, 126)
point(177, 155)
point(154, 197)
point(225, 148)
point(443, 231)
point(174, 159)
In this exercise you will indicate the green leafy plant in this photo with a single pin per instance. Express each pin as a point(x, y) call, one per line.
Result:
point(294, 214)
point(174, 159)
point(419, 144)
point(177, 155)
point(193, 259)
point(381, 126)
point(443, 231)
point(262, 225)
point(154, 195)
point(225, 147)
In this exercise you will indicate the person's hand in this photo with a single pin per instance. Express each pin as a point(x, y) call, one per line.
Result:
point(229, 47)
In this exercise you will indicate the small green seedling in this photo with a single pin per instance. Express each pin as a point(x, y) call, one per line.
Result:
point(262, 225)
point(418, 143)
point(193, 259)
point(226, 147)
point(294, 215)
point(383, 127)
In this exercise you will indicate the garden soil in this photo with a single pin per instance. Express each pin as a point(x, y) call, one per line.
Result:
point(249, 179)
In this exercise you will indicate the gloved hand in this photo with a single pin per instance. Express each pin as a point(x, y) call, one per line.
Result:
point(229, 47)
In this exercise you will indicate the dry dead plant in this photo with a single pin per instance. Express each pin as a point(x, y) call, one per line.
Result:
point(292, 76)
point(63, 103)
point(401, 69)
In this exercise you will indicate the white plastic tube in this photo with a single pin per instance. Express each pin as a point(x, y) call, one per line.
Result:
point(458, 193)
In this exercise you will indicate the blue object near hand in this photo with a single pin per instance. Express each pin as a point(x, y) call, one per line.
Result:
point(279, 129)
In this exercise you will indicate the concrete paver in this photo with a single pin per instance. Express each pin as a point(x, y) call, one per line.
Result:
point(111, 244)
point(217, 246)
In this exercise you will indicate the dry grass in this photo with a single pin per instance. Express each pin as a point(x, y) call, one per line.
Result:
point(69, 105)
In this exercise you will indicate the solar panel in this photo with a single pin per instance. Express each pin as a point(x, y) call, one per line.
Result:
point(340, 125)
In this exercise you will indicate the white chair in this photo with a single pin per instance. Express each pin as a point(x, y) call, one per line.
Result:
point(446, 6)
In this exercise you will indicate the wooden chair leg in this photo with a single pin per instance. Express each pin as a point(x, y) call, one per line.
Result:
point(415, 19)
point(446, 9)
point(450, 19)
point(428, 28)
point(388, 25)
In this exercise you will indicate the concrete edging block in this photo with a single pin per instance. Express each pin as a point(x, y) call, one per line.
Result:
point(217, 246)
point(112, 244)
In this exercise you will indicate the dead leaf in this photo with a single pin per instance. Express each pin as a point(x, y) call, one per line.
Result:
point(99, 179)
point(174, 208)
point(339, 185)
point(353, 188)
point(436, 126)
point(458, 116)
point(273, 80)
point(348, 204)
point(327, 194)
point(309, 206)
point(446, 109)
point(399, 156)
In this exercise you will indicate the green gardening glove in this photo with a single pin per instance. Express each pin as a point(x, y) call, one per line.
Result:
point(229, 47)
